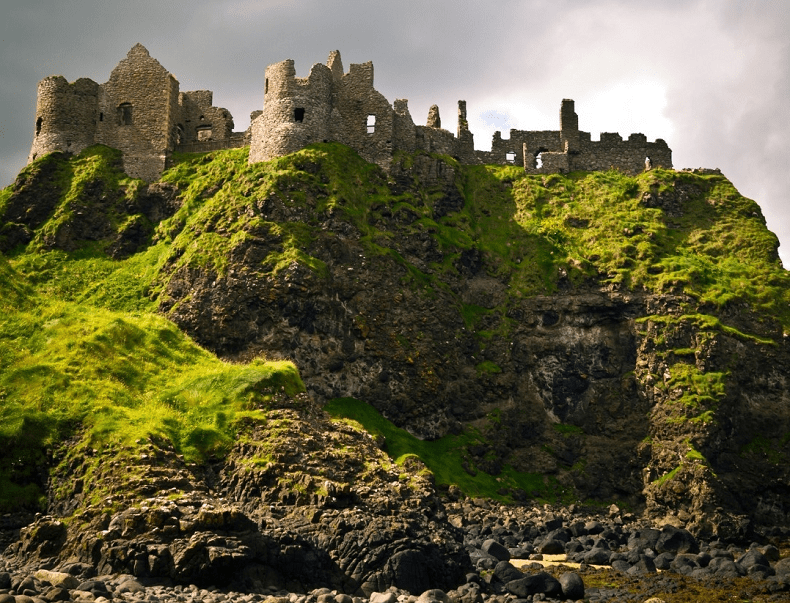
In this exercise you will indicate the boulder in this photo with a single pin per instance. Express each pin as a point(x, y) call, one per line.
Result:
point(506, 572)
point(552, 547)
point(663, 561)
point(678, 541)
point(643, 567)
point(58, 578)
point(753, 557)
point(621, 566)
point(493, 548)
point(433, 595)
point(572, 586)
point(597, 556)
point(782, 567)
point(725, 568)
point(540, 583)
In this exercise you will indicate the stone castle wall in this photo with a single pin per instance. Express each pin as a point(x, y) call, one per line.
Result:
point(345, 107)
point(141, 111)
point(66, 116)
point(137, 107)
point(568, 149)
point(296, 111)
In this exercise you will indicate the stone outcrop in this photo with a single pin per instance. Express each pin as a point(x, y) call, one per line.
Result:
point(326, 508)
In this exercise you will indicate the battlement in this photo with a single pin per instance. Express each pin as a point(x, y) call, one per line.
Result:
point(141, 111)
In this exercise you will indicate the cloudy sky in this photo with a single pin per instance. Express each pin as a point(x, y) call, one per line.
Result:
point(711, 77)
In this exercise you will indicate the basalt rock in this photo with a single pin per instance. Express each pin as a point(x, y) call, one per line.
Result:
point(303, 518)
point(594, 385)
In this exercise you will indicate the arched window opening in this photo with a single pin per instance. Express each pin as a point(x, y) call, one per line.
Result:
point(299, 114)
point(266, 86)
point(648, 164)
point(538, 162)
point(39, 121)
point(179, 134)
point(101, 116)
point(203, 133)
point(125, 114)
point(510, 157)
point(371, 124)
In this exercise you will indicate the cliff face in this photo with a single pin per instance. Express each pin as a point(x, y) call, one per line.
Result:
point(418, 304)
point(621, 338)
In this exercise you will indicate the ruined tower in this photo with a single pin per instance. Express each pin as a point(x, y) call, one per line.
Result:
point(139, 111)
point(66, 116)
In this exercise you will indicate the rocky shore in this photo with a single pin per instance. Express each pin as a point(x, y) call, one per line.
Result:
point(512, 554)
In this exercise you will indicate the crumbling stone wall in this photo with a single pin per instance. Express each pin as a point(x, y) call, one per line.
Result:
point(403, 129)
point(547, 152)
point(139, 111)
point(137, 106)
point(367, 118)
point(296, 111)
point(199, 120)
point(345, 107)
point(66, 116)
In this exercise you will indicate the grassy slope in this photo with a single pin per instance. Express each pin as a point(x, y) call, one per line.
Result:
point(81, 348)
point(83, 354)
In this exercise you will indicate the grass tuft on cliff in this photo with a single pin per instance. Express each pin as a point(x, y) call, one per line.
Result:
point(444, 457)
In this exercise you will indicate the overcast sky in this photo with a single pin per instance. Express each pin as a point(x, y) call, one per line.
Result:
point(711, 77)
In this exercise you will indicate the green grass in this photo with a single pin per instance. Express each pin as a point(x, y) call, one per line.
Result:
point(83, 355)
point(537, 233)
point(488, 368)
point(117, 378)
point(566, 429)
point(443, 457)
point(668, 476)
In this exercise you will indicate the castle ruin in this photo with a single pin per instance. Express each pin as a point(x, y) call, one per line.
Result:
point(141, 112)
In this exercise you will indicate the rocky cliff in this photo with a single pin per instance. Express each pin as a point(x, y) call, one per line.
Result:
point(589, 336)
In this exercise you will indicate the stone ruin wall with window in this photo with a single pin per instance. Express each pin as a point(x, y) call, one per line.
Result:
point(568, 149)
point(141, 111)
point(331, 105)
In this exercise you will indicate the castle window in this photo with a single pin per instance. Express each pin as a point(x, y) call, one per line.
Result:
point(204, 133)
point(266, 87)
point(539, 160)
point(299, 115)
point(101, 116)
point(39, 121)
point(371, 124)
point(125, 114)
point(510, 157)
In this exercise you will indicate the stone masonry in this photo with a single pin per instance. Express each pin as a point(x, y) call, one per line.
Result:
point(344, 107)
point(140, 111)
